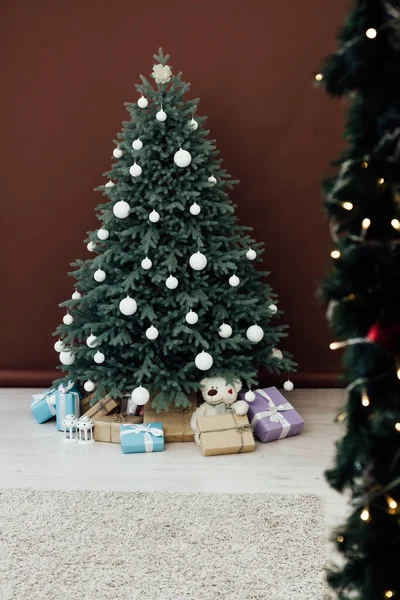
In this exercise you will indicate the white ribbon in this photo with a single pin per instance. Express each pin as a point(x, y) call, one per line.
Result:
point(274, 414)
point(50, 398)
point(61, 404)
point(148, 431)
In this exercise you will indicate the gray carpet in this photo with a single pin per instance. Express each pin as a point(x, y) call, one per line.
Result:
point(158, 546)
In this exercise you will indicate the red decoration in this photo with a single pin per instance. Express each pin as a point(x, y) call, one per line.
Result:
point(386, 335)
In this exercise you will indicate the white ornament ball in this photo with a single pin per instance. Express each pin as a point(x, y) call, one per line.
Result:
point(277, 354)
point(89, 386)
point(91, 246)
point(171, 282)
point(121, 209)
point(128, 306)
point(273, 309)
point(152, 333)
point(92, 341)
point(250, 396)
point(255, 334)
point(288, 385)
point(67, 357)
point(146, 263)
point(142, 102)
point(109, 184)
point(99, 275)
point(59, 346)
point(198, 261)
point(212, 180)
point(154, 216)
point(103, 234)
point(182, 158)
point(99, 357)
point(234, 280)
point(76, 295)
point(193, 124)
point(135, 170)
point(204, 361)
point(195, 209)
point(117, 153)
point(140, 396)
point(68, 319)
point(251, 254)
point(161, 115)
point(137, 144)
point(225, 331)
point(192, 317)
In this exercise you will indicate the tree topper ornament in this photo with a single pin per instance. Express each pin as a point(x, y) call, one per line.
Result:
point(162, 73)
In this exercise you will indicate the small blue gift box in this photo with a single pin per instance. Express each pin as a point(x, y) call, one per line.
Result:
point(44, 405)
point(67, 403)
point(147, 437)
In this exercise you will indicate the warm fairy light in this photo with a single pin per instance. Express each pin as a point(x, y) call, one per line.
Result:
point(366, 223)
point(397, 427)
point(391, 502)
point(335, 254)
point(319, 77)
point(365, 399)
point(350, 297)
point(347, 206)
point(381, 181)
point(364, 164)
point(341, 417)
point(395, 224)
point(389, 594)
point(398, 371)
point(371, 33)
point(365, 515)
point(340, 539)
point(334, 345)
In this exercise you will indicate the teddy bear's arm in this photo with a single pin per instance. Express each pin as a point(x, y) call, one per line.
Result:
point(199, 412)
point(240, 408)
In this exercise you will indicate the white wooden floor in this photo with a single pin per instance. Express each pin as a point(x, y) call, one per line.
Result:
point(33, 455)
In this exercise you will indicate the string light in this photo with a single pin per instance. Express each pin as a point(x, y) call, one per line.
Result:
point(351, 342)
point(364, 398)
point(392, 504)
point(364, 164)
point(347, 205)
point(366, 223)
point(389, 594)
point(340, 539)
point(341, 417)
point(335, 345)
point(335, 254)
point(397, 427)
point(395, 224)
point(381, 181)
point(365, 516)
point(319, 77)
point(371, 33)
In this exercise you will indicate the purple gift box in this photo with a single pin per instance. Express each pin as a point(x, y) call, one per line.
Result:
point(272, 417)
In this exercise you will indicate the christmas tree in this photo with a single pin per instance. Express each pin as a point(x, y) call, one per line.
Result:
point(363, 294)
point(172, 292)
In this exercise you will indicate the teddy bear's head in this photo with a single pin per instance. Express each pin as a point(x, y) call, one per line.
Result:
point(216, 390)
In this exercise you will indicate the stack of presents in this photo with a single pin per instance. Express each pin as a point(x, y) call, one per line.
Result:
point(220, 422)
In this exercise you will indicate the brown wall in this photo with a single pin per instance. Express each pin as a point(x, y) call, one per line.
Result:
point(69, 67)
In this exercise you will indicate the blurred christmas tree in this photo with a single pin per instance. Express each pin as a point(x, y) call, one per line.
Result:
point(363, 204)
point(173, 291)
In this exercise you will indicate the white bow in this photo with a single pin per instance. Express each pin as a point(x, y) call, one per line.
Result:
point(274, 414)
point(49, 396)
point(148, 431)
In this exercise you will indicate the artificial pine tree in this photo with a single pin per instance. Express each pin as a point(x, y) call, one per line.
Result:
point(172, 291)
point(363, 294)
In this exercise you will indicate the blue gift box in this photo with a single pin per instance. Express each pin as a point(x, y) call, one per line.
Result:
point(67, 403)
point(148, 437)
point(44, 405)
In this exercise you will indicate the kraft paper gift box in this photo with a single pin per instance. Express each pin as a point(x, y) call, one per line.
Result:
point(44, 405)
point(68, 402)
point(107, 427)
point(272, 417)
point(175, 421)
point(225, 434)
point(102, 407)
point(147, 437)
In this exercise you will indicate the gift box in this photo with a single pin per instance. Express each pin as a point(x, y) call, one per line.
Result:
point(44, 405)
point(225, 434)
point(175, 422)
point(142, 438)
point(272, 417)
point(102, 407)
point(107, 427)
point(68, 402)
point(85, 403)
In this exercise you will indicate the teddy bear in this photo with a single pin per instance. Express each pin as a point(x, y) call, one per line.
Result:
point(219, 397)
